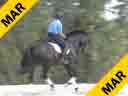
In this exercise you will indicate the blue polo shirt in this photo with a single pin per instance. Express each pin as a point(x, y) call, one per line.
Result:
point(55, 26)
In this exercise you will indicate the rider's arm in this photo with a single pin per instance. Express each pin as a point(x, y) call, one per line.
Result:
point(60, 30)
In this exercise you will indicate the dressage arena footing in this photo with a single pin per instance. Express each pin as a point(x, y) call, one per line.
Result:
point(44, 90)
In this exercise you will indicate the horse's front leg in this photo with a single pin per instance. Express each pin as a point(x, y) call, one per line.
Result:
point(47, 80)
point(73, 77)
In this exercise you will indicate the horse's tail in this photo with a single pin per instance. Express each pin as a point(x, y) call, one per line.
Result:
point(26, 61)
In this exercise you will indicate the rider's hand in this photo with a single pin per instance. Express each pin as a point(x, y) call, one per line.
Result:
point(62, 35)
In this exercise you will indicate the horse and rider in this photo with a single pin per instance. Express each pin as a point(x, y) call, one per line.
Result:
point(67, 46)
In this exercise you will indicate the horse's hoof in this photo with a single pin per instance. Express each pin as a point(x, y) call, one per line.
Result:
point(76, 89)
point(67, 84)
point(52, 87)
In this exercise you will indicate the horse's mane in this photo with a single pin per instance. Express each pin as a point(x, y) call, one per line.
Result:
point(76, 32)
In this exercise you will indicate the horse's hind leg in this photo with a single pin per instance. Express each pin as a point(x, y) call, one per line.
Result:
point(45, 77)
point(73, 74)
point(31, 74)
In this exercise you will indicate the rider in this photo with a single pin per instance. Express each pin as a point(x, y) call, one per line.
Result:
point(55, 31)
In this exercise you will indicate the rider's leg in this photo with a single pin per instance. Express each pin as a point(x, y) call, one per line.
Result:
point(60, 41)
point(56, 38)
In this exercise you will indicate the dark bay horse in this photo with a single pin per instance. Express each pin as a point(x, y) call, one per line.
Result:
point(43, 53)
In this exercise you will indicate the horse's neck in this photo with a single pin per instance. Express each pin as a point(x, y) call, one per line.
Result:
point(74, 39)
point(74, 43)
point(71, 45)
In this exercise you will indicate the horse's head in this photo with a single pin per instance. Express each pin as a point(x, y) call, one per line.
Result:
point(79, 39)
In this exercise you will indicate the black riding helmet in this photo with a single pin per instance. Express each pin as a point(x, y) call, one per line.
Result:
point(57, 16)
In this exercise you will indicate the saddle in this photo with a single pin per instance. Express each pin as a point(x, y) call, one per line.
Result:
point(58, 48)
point(56, 45)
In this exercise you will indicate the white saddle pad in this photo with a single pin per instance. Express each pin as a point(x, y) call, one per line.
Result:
point(56, 47)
